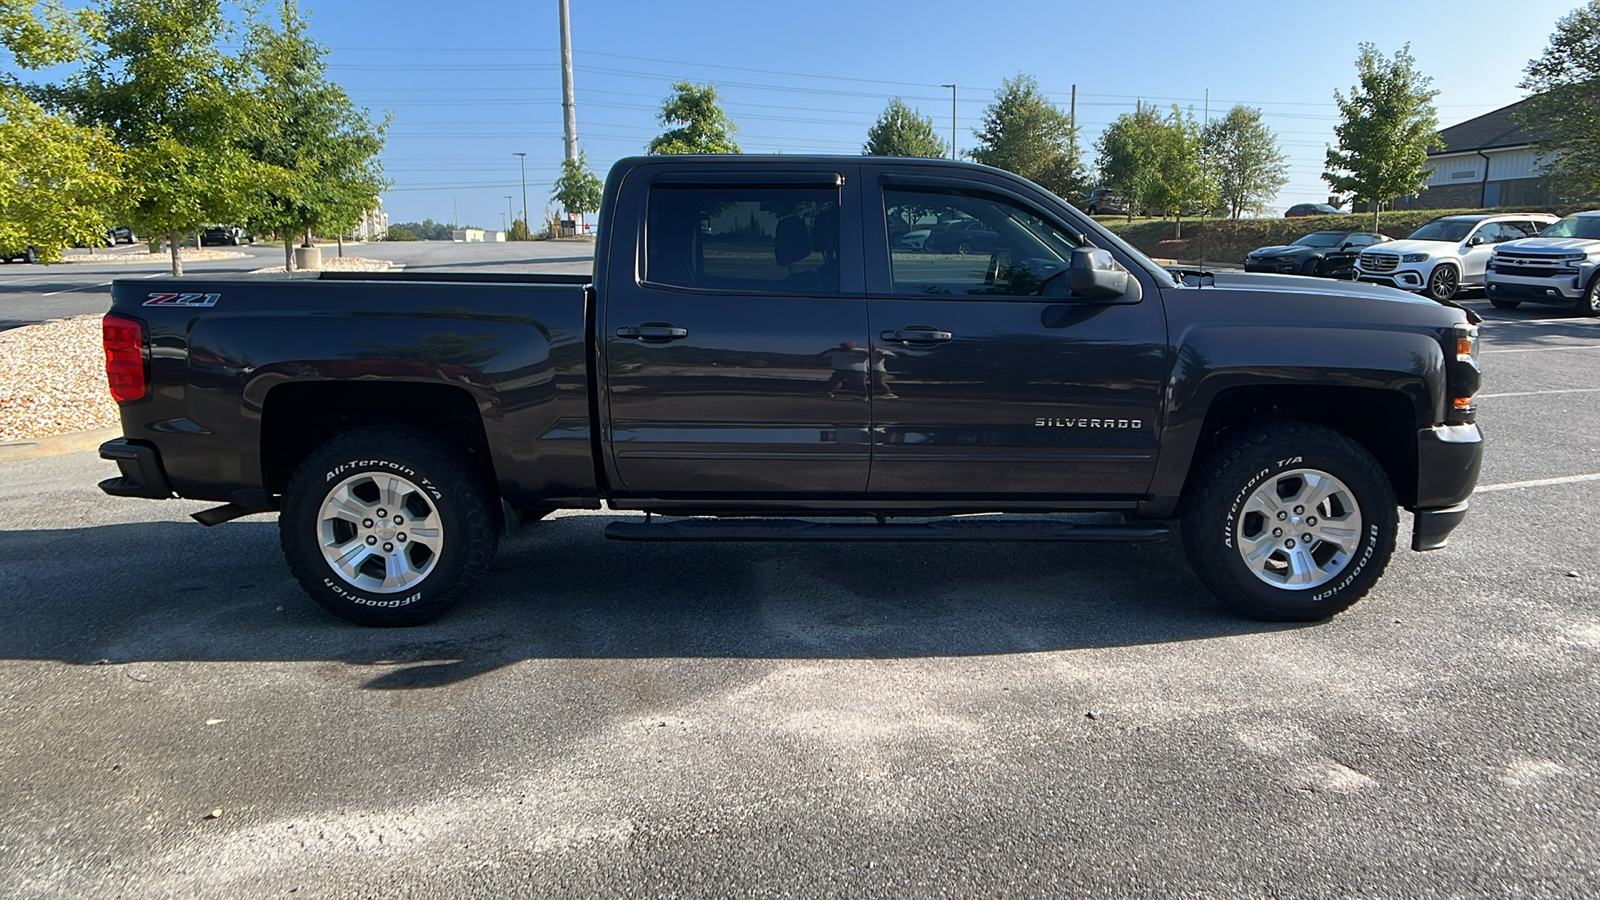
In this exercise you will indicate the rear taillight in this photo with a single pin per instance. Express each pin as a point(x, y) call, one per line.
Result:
point(124, 342)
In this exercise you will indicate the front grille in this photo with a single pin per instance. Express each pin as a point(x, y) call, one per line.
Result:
point(1379, 262)
point(1529, 266)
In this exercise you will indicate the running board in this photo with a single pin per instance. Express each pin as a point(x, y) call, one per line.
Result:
point(944, 530)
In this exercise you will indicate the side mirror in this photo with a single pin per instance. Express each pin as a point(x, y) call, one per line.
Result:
point(1093, 274)
point(1475, 240)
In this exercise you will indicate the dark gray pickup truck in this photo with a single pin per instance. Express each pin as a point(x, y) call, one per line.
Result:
point(771, 341)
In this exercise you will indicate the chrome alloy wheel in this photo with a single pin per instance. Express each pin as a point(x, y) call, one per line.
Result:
point(1300, 529)
point(379, 532)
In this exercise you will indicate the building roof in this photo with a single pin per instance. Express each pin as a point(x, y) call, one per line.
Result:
point(1488, 131)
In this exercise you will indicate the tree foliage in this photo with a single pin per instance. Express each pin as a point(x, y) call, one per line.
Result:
point(1390, 124)
point(1023, 132)
point(158, 82)
point(63, 181)
point(1157, 162)
point(696, 122)
point(902, 131)
point(577, 189)
point(1247, 166)
point(1565, 81)
point(318, 149)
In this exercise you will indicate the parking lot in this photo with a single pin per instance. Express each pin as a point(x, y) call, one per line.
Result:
point(805, 720)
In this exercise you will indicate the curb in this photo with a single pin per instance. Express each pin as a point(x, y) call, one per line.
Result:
point(57, 444)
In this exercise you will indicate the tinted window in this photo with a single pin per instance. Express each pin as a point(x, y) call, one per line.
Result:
point(1322, 239)
point(763, 239)
point(1443, 230)
point(1490, 232)
point(1587, 227)
point(981, 245)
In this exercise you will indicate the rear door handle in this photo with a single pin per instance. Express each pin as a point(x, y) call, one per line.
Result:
point(916, 334)
point(653, 332)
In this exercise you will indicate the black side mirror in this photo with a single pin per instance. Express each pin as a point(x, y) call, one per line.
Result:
point(1093, 274)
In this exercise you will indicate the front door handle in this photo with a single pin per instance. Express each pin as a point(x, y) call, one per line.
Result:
point(653, 332)
point(916, 334)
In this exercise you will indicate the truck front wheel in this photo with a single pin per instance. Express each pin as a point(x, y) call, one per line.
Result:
point(386, 526)
point(1590, 304)
point(1290, 523)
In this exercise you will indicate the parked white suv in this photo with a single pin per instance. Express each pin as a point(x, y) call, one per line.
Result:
point(1448, 254)
point(1560, 266)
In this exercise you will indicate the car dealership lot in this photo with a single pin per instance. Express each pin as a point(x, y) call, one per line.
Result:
point(851, 720)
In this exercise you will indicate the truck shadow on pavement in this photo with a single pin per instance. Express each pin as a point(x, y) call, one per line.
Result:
point(173, 591)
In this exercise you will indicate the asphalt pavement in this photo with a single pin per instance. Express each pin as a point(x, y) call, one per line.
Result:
point(30, 294)
point(703, 720)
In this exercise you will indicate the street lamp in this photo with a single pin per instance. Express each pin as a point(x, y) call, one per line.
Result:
point(509, 213)
point(952, 118)
point(523, 157)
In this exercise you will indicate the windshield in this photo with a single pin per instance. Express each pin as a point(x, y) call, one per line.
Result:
point(1586, 227)
point(1322, 239)
point(1443, 230)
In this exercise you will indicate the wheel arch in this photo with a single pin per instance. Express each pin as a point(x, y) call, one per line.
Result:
point(1383, 421)
point(299, 416)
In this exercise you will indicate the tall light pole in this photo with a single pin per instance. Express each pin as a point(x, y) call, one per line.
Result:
point(569, 110)
point(524, 158)
point(510, 215)
point(952, 118)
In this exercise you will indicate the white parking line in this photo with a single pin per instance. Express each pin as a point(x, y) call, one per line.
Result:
point(1539, 393)
point(1542, 349)
point(1537, 482)
point(71, 290)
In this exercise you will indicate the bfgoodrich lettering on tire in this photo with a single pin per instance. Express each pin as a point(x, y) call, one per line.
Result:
point(386, 526)
point(1290, 523)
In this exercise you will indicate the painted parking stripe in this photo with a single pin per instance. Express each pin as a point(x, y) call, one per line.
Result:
point(1542, 349)
point(88, 287)
point(1539, 393)
point(1537, 482)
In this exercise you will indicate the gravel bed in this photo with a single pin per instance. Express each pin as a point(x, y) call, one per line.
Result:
point(340, 264)
point(53, 380)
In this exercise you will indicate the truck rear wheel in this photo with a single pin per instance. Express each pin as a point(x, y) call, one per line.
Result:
point(386, 526)
point(1290, 523)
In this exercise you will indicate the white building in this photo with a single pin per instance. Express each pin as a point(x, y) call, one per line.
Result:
point(374, 224)
point(1486, 162)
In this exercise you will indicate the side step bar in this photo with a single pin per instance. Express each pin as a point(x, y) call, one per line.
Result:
point(943, 530)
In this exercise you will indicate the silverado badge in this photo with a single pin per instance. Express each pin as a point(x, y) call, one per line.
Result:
point(1119, 424)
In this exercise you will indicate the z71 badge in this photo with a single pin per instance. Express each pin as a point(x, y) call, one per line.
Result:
point(183, 300)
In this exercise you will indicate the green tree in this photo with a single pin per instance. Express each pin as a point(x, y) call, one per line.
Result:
point(577, 189)
point(519, 231)
point(1247, 166)
point(320, 150)
point(1565, 81)
point(698, 123)
point(902, 131)
point(158, 82)
point(1126, 155)
point(401, 233)
point(63, 181)
point(1389, 126)
point(1023, 132)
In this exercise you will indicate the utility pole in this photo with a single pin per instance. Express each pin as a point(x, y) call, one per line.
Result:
point(524, 158)
point(455, 213)
point(1072, 111)
point(952, 118)
point(509, 214)
point(569, 109)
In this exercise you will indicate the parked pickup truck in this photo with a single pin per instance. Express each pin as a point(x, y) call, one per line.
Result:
point(754, 360)
point(1561, 266)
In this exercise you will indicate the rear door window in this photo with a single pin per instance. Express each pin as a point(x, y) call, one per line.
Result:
point(743, 239)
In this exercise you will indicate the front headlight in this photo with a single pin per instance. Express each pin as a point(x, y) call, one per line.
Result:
point(1414, 257)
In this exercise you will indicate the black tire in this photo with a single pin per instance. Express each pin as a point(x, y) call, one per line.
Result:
point(1094, 211)
point(1504, 304)
point(448, 491)
point(964, 248)
point(30, 255)
point(1444, 282)
point(1590, 304)
point(1216, 520)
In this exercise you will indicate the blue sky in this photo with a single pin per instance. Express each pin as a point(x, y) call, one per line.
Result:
point(470, 84)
